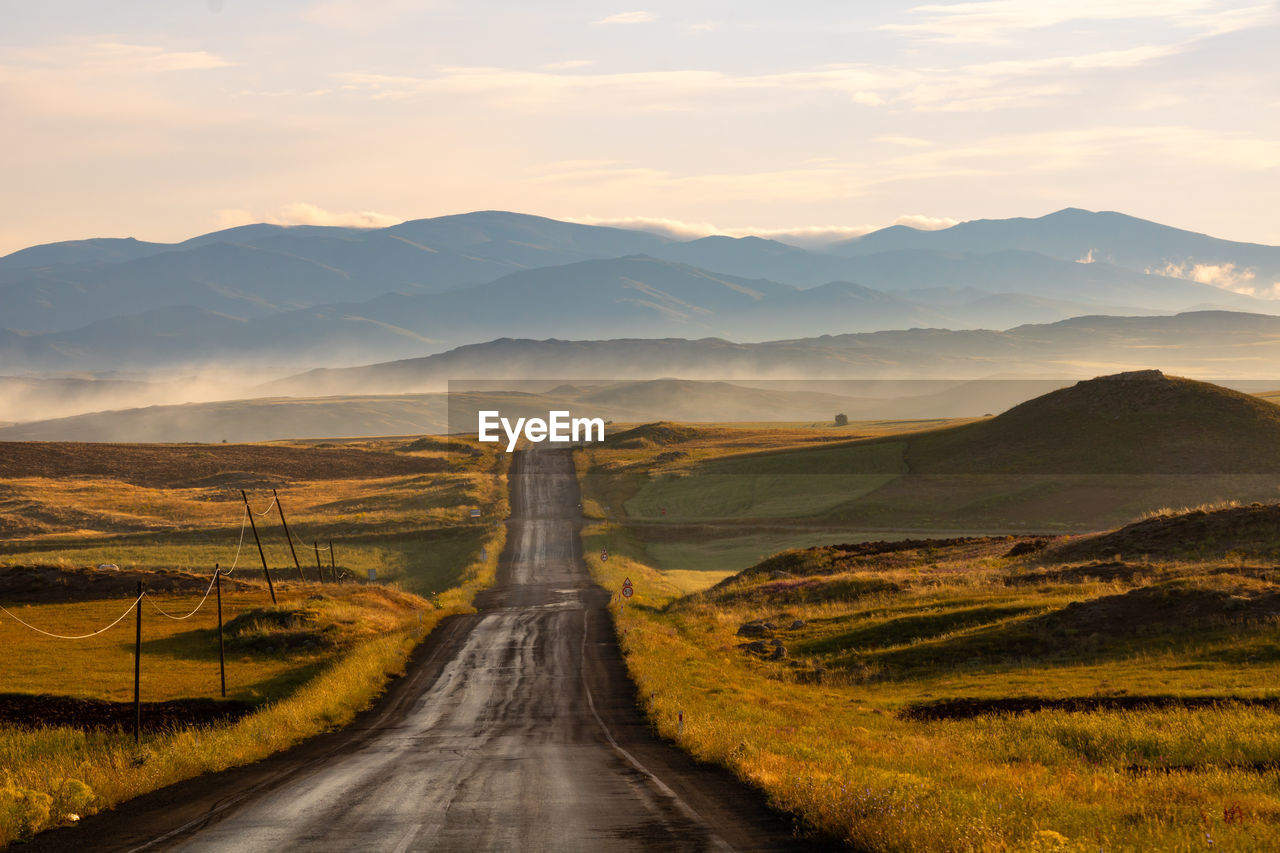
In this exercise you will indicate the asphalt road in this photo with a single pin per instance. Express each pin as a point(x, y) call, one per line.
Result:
point(515, 729)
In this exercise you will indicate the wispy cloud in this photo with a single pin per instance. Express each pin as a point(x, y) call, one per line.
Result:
point(627, 18)
point(921, 222)
point(993, 21)
point(304, 213)
point(680, 229)
point(980, 87)
point(151, 59)
point(1225, 275)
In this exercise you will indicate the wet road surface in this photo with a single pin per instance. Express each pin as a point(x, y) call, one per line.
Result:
point(515, 729)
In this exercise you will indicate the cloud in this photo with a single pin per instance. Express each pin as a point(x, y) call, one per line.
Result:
point(627, 18)
point(920, 222)
point(975, 87)
point(303, 213)
point(994, 21)
point(677, 229)
point(800, 235)
point(1225, 275)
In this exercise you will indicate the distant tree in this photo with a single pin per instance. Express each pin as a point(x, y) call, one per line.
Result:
point(842, 420)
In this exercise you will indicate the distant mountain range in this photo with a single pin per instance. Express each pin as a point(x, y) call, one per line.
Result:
point(266, 294)
point(905, 374)
point(1219, 344)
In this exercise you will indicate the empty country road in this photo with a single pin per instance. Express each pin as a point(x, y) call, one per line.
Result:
point(514, 729)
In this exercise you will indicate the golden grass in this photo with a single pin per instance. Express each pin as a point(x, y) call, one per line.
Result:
point(837, 755)
point(311, 672)
point(897, 631)
point(413, 529)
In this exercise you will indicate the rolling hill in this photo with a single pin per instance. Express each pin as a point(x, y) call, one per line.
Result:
point(1141, 422)
point(1094, 454)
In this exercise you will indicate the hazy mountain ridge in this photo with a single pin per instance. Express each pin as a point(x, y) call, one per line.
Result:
point(1073, 234)
point(994, 273)
point(1207, 343)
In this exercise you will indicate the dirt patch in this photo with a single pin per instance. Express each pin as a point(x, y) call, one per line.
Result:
point(966, 709)
point(34, 712)
point(56, 585)
point(182, 465)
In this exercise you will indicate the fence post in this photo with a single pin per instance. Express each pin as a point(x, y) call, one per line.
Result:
point(222, 658)
point(289, 536)
point(254, 525)
point(319, 568)
point(137, 671)
point(333, 569)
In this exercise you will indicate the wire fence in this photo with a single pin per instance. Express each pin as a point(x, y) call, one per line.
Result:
point(137, 602)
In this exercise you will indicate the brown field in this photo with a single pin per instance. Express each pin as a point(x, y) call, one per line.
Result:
point(171, 465)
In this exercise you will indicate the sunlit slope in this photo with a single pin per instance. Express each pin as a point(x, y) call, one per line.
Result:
point(1130, 423)
point(1098, 453)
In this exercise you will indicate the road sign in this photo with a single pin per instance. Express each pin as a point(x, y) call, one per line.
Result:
point(627, 592)
point(627, 582)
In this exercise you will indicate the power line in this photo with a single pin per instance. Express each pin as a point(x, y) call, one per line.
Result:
point(75, 636)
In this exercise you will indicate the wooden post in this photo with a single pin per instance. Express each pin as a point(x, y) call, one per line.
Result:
point(254, 525)
point(288, 536)
point(137, 671)
point(333, 569)
point(319, 568)
point(222, 657)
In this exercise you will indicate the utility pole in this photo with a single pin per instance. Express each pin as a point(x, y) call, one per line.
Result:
point(254, 525)
point(222, 656)
point(137, 671)
point(288, 536)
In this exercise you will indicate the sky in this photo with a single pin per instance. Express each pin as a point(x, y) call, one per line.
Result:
point(163, 120)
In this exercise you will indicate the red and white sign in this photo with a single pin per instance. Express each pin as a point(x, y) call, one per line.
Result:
point(627, 592)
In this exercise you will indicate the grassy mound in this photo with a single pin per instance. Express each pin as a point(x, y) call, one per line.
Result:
point(1247, 530)
point(656, 434)
point(1129, 423)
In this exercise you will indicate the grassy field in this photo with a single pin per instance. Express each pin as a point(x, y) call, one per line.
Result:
point(408, 516)
point(1093, 455)
point(1109, 692)
point(305, 665)
point(953, 698)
